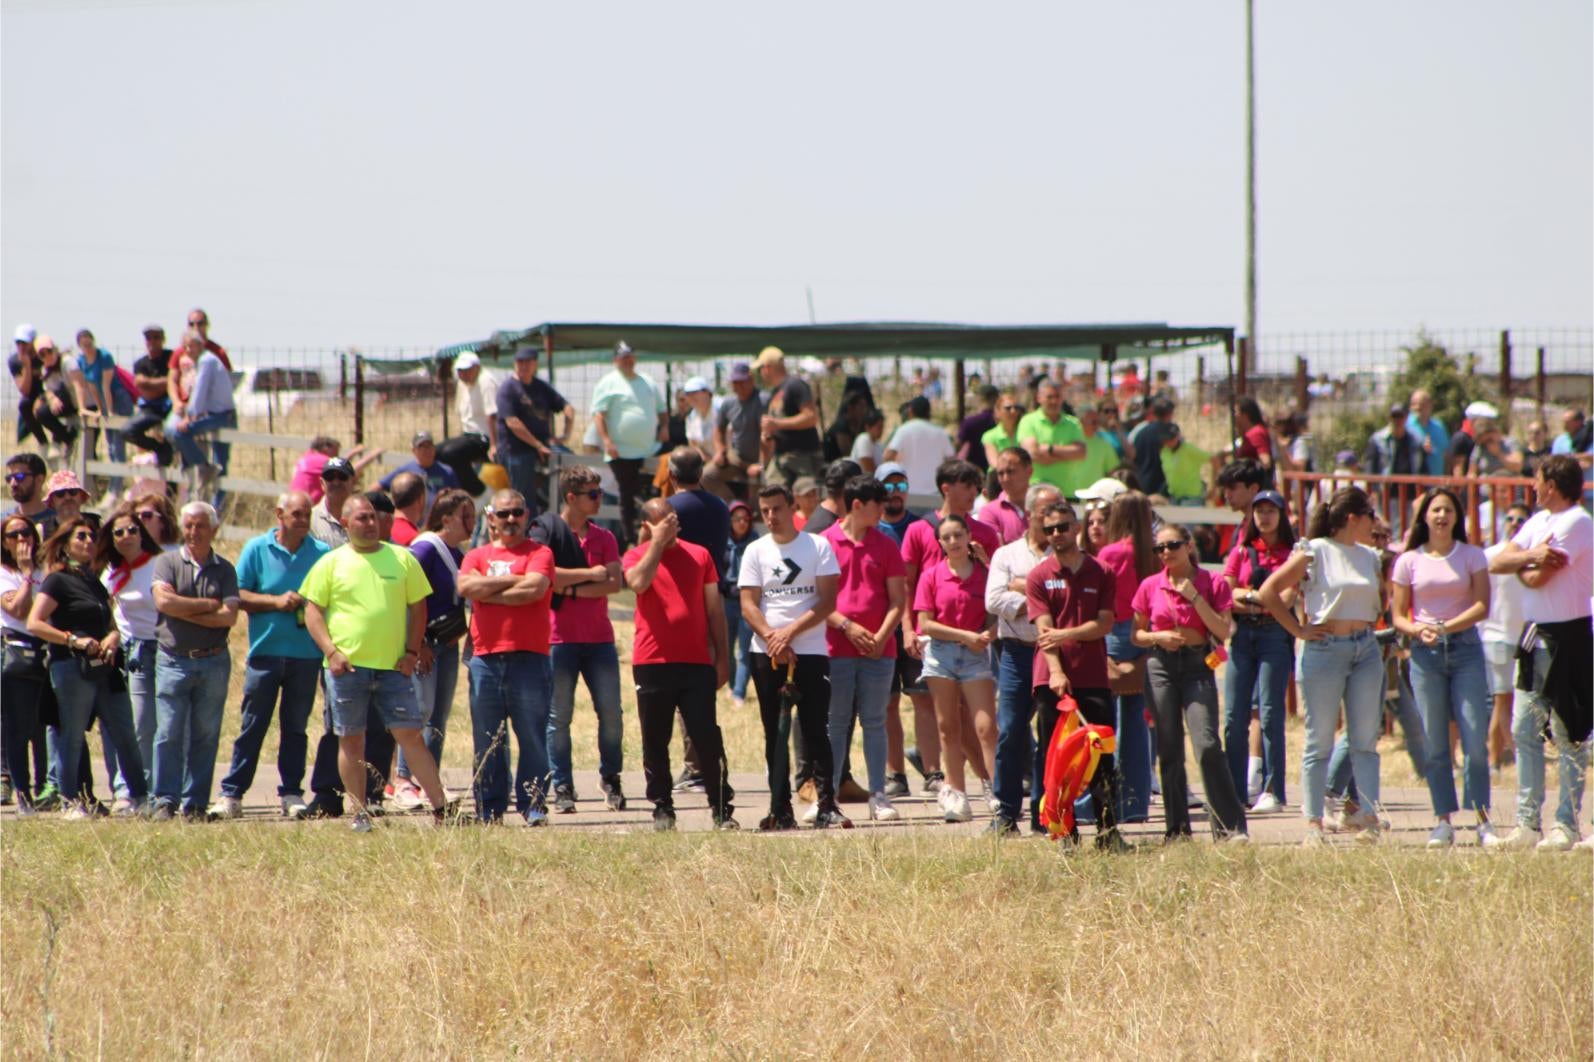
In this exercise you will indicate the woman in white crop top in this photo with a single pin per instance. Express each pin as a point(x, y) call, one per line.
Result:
point(1339, 659)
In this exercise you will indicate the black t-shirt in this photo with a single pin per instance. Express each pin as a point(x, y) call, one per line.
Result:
point(82, 607)
point(820, 520)
point(156, 367)
point(705, 521)
point(550, 530)
point(14, 363)
point(1461, 447)
point(788, 400)
point(972, 431)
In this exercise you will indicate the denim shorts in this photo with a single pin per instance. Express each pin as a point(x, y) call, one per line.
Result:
point(949, 660)
point(393, 695)
point(1499, 661)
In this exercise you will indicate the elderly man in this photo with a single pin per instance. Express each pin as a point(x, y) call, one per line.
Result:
point(507, 581)
point(1007, 513)
point(1052, 437)
point(1015, 655)
point(790, 426)
point(326, 519)
point(476, 406)
point(526, 405)
point(209, 407)
point(283, 659)
point(1554, 556)
point(365, 607)
point(629, 415)
point(1431, 430)
point(679, 657)
point(737, 438)
point(196, 596)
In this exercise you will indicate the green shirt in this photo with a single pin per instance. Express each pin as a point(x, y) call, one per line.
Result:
point(1100, 458)
point(1182, 469)
point(630, 410)
point(999, 438)
point(1046, 433)
point(366, 597)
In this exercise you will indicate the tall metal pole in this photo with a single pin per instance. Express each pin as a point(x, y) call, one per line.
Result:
point(1250, 182)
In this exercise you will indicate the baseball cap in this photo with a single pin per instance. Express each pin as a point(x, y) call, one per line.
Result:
point(889, 468)
point(805, 485)
point(694, 385)
point(1482, 409)
point(526, 354)
point(741, 371)
point(769, 356)
point(154, 329)
point(1398, 410)
point(1104, 489)
point(422, 437)
point(1271, 497)
point(337, 466)
point(622, 348)
point(26, 333)
point(467, 360)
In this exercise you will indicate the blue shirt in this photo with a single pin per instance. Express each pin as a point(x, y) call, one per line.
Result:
point(1438, 435)
point(266, 567)
point(438, 477)
point(212, 391)
point(705, 521)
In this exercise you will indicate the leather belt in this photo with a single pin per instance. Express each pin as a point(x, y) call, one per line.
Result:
point(194, 654)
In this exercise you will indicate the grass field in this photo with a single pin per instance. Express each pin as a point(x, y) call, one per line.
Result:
point(123, 941)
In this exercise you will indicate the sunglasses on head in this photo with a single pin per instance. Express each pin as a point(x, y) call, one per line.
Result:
point(1058, 529)
point(1168, 547)
point(509, 514)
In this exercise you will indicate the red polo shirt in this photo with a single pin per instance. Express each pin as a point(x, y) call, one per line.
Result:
point(671, 622)
point(1072, 599)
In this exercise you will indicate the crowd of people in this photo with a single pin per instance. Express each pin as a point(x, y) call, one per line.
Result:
point(1047, 587)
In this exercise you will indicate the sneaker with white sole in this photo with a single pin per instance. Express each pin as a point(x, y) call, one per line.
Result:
point(810, 815)
point(1443, 836)
point(225, 807)
point(1237, 838)
point(954, 805)
point(1372, 834)
point(294, 807)
point(1561, 838)
point(361, 823)
point(1313, 838)
point(408, 796)
point(74, 811)
point(1586, 844)
point(1486, 835)
point(1267, 804)
point(881, 809)
point(1521, 837)
point(991, 803)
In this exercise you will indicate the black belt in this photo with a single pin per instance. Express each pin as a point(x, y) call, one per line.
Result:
point(1253, 621)
point(194, 654)
point(1015, 641)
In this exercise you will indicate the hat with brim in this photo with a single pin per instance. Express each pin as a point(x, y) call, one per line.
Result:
point(1104, 489)
point(888, 469)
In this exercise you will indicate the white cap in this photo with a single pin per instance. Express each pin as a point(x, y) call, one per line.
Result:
point(26, 333)
point(467, 360)
point(694, 384)
point(889, 468)
point(1482, 409)
point(1104, 489)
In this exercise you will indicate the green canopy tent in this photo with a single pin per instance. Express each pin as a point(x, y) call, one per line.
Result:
point(564, 344)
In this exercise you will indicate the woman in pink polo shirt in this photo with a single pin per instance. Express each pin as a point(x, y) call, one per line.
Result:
point(950, 603)
point(1178, 612)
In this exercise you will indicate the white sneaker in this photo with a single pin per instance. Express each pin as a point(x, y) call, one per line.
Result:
point(1486, 835)
point(409, 797)
point(225, 808)
point(75, 812)
point(1314, 838)
point(1266, 804)
point(881, 810)
point(1443, 836)
point(294, 807)
point(954, 805)
point(991, 803)
point(810, 815)
point(1560, 839)
point(1521, 837)
point(1586, 844)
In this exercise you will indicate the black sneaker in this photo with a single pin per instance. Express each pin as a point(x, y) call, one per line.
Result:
point(564, 799)
point(663, 820)
point(1112, 841)
point(777, 821)
point(933, 782)
point(612, 795)
point(896, 785)
point(1002, 826)
point(911, 754)
point(832, 819)
point(687, 782)
point(323, 808)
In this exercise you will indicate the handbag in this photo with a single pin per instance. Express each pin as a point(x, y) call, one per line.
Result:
point(449, 627)
point(25, 658)
point(1126, 677)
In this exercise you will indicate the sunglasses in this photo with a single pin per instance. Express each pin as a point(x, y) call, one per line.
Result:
point(125, 532)
point(596, 494)
point(1012, 409)
point(19, 534)
point(896, 488)
point(1058, 529)
point(83, 536)
point(1167, 547)
point(509, 514)
point(336, 477)
point(149, 514)
point(18, 477)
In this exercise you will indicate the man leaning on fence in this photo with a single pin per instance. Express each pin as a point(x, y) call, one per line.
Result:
point(476, 406)
point(526, 406)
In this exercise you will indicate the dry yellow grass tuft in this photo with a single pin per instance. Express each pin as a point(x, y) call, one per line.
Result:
point(310, 943)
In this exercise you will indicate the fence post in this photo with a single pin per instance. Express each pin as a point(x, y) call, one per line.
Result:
point(1541, 383)
point(343, 377)
point(1505, 376)
point(359, 400)
point(958, 387)
point(443, 371)
point(271, 424)
point(1301, 396)
point(1242, 355)
point(1200, 381)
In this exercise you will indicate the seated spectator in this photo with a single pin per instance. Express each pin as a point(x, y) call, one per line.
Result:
point(437, 476)
point(323, 448)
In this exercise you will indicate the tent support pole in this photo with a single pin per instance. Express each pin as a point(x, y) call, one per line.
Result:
point(547, 353)
point(1228, 355)
point(958, 388)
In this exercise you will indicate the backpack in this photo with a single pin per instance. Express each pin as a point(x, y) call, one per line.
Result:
point(550, 530)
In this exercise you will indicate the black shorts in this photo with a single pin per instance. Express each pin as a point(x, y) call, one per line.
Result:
point(906, 679)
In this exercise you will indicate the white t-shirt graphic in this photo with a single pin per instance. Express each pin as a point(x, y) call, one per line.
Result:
point(787, 576)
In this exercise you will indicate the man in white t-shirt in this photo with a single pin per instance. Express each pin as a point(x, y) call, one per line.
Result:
point(919, 446)
point(1553, 555)
point(788, 583)
point(477, 410)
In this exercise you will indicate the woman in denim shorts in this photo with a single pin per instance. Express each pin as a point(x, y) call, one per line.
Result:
point(950, 603)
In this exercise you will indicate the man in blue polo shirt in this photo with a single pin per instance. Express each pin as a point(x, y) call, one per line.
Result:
point(283, 659)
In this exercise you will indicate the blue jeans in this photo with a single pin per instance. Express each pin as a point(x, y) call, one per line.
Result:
point(523, 472)
point(190, 697)
point(1261, 657)
point(599, 664)
point(265, 678)
point(435, 691)
point(1134, 737)
point(78, 697)
point(141, 691)
point(183, 439)
point(1528, 718)
point(1015, 736)
point(860, 687)
point(1328, 672)
point(1340, 782)
point(1451, 682)
point(514, 689)
point(744, 647)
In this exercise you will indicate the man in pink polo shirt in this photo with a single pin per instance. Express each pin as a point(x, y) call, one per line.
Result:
point(1014, 466)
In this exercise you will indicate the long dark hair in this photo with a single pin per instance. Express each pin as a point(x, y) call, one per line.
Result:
point(1252, 411)
point(1328, 520)
point(444, 506)
point(163, 504)
point(1417, 537)
point(1286, 532)
point(7, 558)
point(1130, 516)
point(55, 555)
point(105, 545)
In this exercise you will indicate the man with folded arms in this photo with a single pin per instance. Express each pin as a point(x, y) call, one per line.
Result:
point(679, 656)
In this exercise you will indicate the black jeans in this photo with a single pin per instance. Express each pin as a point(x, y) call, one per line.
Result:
point(813, 718)
point(628, 477)
point(462, 453)
point(19, 720)
point(1183, 693)
point(138, 434)
point(37, 423)
point(1095, 707)
point(661, 690)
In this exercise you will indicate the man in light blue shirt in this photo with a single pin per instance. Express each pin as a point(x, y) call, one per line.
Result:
point(1432, 430)
point(628, 412)
point(283, 658)
point(209, 407)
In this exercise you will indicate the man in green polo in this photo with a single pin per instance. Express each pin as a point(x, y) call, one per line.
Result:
point(1053, 438)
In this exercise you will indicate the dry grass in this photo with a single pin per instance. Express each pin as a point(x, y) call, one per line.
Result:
point(261, 942)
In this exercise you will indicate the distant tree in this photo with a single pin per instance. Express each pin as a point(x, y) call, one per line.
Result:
point(1429, 367)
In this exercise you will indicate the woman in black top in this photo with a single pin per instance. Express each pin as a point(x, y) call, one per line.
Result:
point(72, 612)
point(26, 702)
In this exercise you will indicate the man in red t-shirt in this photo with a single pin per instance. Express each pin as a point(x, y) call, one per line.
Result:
point(678, 659)
point(409, 503)
point(511, 682)
point(1071, 602)
point(959, 484)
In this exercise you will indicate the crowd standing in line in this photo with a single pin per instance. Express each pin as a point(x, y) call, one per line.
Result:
point(1001, 611)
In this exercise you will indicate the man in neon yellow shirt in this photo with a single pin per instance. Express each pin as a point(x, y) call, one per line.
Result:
point(1053, 438)
point(1182, 463)
point(1099, 460)
point(1004, 436)
point(365, 608)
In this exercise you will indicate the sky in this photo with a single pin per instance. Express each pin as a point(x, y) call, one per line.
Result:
point(384, 175)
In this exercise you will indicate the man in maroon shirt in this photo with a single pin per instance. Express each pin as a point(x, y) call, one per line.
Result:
point(1071, 601)
point(678, 659)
